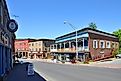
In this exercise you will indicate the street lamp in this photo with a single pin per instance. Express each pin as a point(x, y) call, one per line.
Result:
point(65, 22)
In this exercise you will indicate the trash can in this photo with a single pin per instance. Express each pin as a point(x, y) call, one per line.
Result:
point(30, 69)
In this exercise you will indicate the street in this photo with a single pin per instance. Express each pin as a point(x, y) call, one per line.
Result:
point(61, 72)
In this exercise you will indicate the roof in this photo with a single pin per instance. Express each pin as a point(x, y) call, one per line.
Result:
point(32, 40)
point(87, 30)
point(24, 39)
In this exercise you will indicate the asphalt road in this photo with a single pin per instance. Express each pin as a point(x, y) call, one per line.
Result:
point(61, 72)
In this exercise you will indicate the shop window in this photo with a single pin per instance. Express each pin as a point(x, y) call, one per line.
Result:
point(95, 44)
point(108, 44)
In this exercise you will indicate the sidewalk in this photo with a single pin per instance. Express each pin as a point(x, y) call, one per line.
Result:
point(106, 64)
point(19, 73)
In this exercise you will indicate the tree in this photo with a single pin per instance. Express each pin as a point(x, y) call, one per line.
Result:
point(92, 25)
point(118, 34)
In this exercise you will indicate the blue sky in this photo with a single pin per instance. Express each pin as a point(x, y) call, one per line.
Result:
point(45, 18)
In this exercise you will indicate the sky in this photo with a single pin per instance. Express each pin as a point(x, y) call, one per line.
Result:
point(45, 18)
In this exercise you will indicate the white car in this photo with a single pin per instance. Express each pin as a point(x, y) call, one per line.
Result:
point(118, 56)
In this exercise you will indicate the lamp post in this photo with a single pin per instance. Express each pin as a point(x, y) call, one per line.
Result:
point(65, 22)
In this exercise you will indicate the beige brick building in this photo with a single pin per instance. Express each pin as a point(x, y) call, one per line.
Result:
point(40, 49)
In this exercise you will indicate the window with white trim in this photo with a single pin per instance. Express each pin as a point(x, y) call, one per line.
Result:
point(95, 44)
point(102, 44)
point(108, 45)
point(113, 44)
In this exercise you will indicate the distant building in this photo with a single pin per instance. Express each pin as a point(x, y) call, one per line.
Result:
point(7, 37)
point(22, 47)
point(40, 49)
point(92, 45)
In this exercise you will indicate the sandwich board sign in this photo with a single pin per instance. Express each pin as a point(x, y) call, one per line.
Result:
point(30, 69)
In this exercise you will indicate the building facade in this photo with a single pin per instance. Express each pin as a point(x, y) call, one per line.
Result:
point(6, 41)
point(22, 47)
point(40, 49)
point(92, 45)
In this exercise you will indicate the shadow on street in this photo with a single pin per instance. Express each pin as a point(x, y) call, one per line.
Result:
point(19, 73)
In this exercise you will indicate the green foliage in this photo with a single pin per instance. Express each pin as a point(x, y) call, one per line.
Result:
point(118, 34)
point(115, 52)
point(92, 25)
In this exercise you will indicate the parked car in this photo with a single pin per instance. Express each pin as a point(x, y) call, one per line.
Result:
point(118, 56)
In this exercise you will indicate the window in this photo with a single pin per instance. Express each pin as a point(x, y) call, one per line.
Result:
point(51, 46)
point(102, 44)
point(32, 44)
point(113, 45)
point(95, 44)
point(39, 43)
point(55, 46)
point(36, 49)
point(108, 44)
point(116, 45)
point(36, 44)
point(39, 49)
point(29, 44)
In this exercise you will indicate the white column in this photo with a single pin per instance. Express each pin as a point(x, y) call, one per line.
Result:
point(56, 46)
point(53, 46)
point(83, 43)
point(69, 44)
point(64, 46)
point(60, 45)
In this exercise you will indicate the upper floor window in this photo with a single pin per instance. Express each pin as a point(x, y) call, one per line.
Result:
point(113, 45)
point(51, 46)
point(39, 49)
point(36, 49)
point(36, 44)
point(39, 43)
point(29, 44)
point(55, 46)
point(32, 44)
point(102, 44)
point(95, 44)
point(108, 44)
point(116, 45)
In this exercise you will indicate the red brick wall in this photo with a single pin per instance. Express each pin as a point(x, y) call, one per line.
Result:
point(22, 45)
point(100, 53)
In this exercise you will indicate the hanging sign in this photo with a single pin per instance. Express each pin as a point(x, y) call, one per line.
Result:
point(12, 25)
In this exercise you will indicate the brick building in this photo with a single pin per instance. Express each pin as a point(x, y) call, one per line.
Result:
point(40, 49)
point(33, 48)
point(22, 47)
point(92, 44)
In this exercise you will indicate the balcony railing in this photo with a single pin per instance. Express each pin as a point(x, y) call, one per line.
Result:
point(85, 48)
